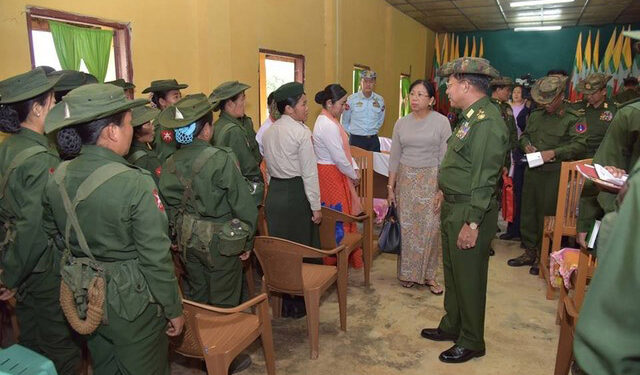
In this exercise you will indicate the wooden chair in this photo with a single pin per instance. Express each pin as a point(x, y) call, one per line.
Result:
point(364, 160)
point(284, 272)
point(218, 335)
point(351, 241)
point(565, 220)
point(568, 310)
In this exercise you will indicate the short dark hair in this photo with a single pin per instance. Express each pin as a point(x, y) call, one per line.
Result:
point(156, 95)
point(426, 84)
point(12, 115)
point(292, 101)
point(207, 118)
point(270, 99)
point(71, 139)
point(479, 81)
point(558, 72)
point(631, 81)
point(220, 106)
point(332, 92)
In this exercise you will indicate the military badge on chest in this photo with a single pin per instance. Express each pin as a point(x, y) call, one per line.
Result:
point(606, 116)
point(376, 103)
point(581, 127)
point(463, 130)
point(452, 117)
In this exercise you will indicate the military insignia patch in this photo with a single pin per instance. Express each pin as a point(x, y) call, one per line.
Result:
point(167, 136)
point(359, 104)
point(463, 130)
point(158, 171)
point(481, 115)
point(158, 200)
point(376, 104)
point(581, 127)
point(606, 116)
point(452, 117)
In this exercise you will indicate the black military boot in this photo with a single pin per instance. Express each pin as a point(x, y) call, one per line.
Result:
point(526, 259)
point(535, 267)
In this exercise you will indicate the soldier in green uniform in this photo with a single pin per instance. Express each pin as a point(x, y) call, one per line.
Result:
point(629, 92)
point(164, 92)
point(128, 87)
point(28, 261)
point(559, 134)
point(597, 110)
point(113, 228)
point(141, 153)
point(469, 213)
point(501, 92)
point(69, 80)
point(234, 129)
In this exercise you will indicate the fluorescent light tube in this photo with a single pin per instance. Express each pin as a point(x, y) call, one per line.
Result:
point(529, 3)
point(538, 28)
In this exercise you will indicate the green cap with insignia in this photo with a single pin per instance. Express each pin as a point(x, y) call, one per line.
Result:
point(143, 114)
point(186, 111)
point(87, 103)
point(369, 74)
point(233, 237)
point(593, 83)
point(635, 34)
point(288, 90)
point(165, 85)
point(547, 88)
point(72, 79)
point(501, 81)
point(226, 90)
point(468, 65)
point(26, 86)
point(122, 83)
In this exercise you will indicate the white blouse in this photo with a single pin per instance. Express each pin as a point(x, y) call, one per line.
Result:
point(327, 144)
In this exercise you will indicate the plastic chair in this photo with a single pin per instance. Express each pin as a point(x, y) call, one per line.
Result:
point(351, 241)
point(17, 359)
point(284, 272)
point(218, 335)
point(565, 220)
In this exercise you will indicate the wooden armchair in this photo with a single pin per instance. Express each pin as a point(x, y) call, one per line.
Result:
point(565, 220)
point(284, 272)
point(351, 241)
point(218, 335)
point(568, 310)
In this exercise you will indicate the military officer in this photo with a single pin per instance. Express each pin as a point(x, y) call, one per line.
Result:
point(629, 92)
point(28, 263)
point(596, 108)
point(364, 114)
point(469, 213)
point(141, 153)
point(559, 134)
point(118, 285)
point(501, 92)
point(164, 92)
point(234, 129)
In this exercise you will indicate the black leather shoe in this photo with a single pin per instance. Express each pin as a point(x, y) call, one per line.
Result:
point(240, 363)
point(435, 334)
point(458, 354)
point(534, 270)
point(525, 259)
point(509, 237)
point(492, 252)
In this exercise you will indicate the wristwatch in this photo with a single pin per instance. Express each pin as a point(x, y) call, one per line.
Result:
point(473, 226)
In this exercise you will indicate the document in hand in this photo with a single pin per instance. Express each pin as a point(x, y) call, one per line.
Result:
point(534, 159)
point(601, 177)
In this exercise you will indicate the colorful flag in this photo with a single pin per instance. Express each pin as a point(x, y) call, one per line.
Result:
point(595, 62)
point(607, 62)
point(481, 53)
point(452, 50)
point(466, 47)
point(473, 49)
point(457, 51)
point(617, 57)
point(575, 75)
point(586, 62)
point(625, 62)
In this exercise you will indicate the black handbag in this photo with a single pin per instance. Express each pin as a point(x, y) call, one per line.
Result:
point(389, 239)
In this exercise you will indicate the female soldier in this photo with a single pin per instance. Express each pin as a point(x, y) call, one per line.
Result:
point(27, 261)
point(141, 153)
point(234, 129)
point(113, 224)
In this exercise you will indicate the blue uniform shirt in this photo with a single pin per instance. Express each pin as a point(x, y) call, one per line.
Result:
point(363, 116)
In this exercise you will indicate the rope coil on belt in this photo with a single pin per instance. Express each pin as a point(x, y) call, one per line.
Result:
point(95, 307)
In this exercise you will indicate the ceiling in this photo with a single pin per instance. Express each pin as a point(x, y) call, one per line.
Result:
point(471, 15)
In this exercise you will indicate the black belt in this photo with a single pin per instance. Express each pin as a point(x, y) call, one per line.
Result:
point(364, 136)
point(457, 198)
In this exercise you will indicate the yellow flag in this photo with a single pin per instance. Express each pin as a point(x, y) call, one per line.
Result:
point(587, 54)
point(466, 47)
point(445, 49)
point(608, 53)
point(437, 51)
point(626, 52)
point(481, 53)
point(578, 60)
point(596, 53)
point(617, 51)
point(457, 51)
point(473, 49)
point(452, 52)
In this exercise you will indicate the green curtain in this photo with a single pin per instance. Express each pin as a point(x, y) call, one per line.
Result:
point(73, 44)
point(405, 106)
point(356, 79)
point(63, 40)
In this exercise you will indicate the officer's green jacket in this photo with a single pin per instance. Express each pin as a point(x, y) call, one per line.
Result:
point(510, 122)
point(563, 131)
point(472, 168)
point(619, 148)
point(606, 339)
point(123, 219)
point(21, 205)
point(597, 120)
point(238, 134)
point(164, 142)
point(626, 96)
point(140, 155)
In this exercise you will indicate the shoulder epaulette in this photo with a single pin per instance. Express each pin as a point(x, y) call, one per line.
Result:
point(635, 100)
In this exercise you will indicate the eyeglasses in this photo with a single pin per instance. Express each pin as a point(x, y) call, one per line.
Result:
point(418, 95)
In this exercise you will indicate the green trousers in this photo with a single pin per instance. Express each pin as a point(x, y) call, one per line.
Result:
point(43, 327)
point(465, 274)
point(122, 347)
point(539, 197)
point(217, 283)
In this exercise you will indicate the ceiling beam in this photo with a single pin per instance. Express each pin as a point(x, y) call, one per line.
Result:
point(584, 7)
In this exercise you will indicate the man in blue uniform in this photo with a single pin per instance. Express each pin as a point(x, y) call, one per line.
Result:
point(364, 114)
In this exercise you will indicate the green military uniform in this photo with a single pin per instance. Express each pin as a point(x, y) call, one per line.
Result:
point(626, 96)
point(236, 133)
point(141, 154)
point(597, 119)
point(507, 115)
point(127, 239)
point(204, 190)
point(564, 132)
point(468, 176)
point(28, 261)
point(164, 143)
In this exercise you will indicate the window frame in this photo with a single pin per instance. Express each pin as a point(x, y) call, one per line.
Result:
point(299, 74)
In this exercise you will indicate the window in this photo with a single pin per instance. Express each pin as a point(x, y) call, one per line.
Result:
point(43, 50)
point(276, 69)
point(357, 69)
point(405, 106)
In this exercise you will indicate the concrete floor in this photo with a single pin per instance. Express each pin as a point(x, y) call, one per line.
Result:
point(384, 323)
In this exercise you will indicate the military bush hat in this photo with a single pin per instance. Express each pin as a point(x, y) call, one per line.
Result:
point(186, 111)
point(72, 79)
point(226, 90)
point(164, 85)
point(630, 81)
point(143, 114)
point(288, 90)
point(122, 83)
point(26, 86)
point(370, 74)
point(593, 83)
point(547, 88)
point(501, 81)
point(468, 65)
point(87, 103)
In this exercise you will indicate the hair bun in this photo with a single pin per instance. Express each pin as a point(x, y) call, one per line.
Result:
point(9, 121)
point(320, 97)
point(69, 143)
